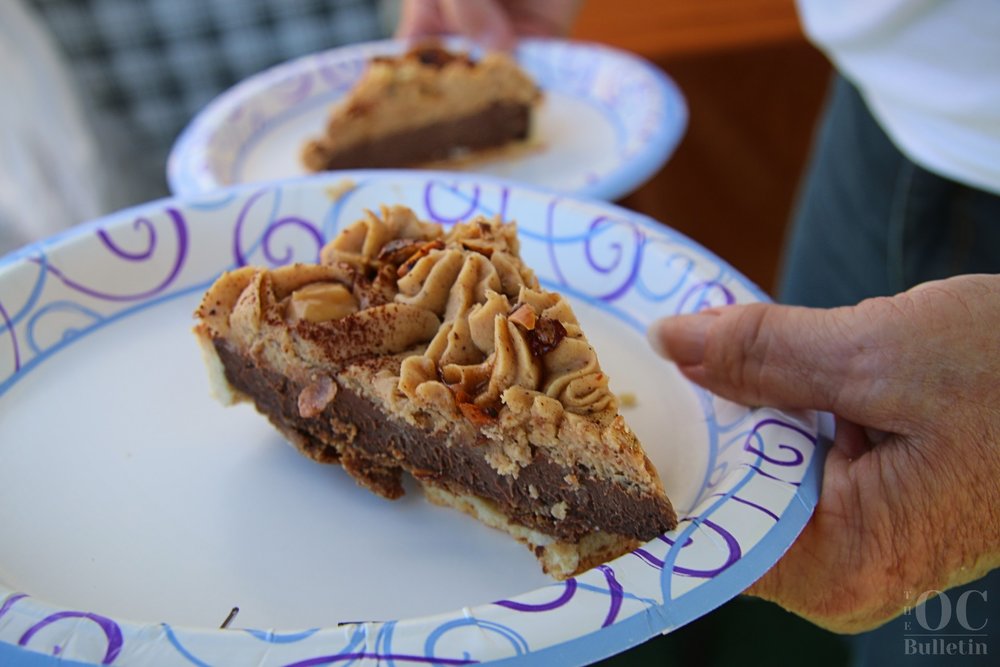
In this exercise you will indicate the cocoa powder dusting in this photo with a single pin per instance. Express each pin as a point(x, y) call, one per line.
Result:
point(376, 291)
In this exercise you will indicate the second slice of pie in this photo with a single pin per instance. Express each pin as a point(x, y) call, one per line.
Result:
point(427, 106)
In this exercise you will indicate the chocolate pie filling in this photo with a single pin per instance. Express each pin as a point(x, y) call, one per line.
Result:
point(494, 126)
point(376, 449)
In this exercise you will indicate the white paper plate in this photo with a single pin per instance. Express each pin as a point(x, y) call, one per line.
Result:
point(610, 120)
point(137, 511)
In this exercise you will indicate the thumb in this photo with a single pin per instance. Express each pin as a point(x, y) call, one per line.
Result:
point(782, 356)
point(484, 21)
point(417, 19)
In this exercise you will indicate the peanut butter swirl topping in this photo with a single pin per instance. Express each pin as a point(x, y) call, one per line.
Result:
point(463, 302)
point(498, 329)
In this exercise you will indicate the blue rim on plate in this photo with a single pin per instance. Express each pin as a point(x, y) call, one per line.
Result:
point(759, 487)
point(640, 104)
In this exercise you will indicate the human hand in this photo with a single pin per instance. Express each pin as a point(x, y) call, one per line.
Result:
point(495, 24)
point(911, 488)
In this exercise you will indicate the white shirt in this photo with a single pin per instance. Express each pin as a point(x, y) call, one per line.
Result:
point(930, 73)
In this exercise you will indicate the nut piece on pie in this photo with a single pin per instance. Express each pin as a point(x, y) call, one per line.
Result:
point(411, 349)
point(427, 105)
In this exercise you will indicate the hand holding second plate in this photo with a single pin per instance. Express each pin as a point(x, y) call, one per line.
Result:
point(495, 24)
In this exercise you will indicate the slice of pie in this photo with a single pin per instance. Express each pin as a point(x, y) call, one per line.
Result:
point(409, 349)
point(428, 105)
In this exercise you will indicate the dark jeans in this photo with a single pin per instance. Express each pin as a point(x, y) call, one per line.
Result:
point(869, 223)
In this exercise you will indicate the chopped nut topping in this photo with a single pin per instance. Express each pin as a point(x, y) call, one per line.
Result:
point(483, 247)
point(321, 302)
point(525, 316)
point(475, 414)
point(314, 398)
point(421, 252)
point(545, 336)
point(398, 251)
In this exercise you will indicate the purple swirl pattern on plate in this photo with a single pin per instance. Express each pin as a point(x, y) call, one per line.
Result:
point(9, 602)
point(142, 257)
point(8, 330)
point(569, 590)
point(730, 555)
point(617, 595)
point(760, 478)
point(263, 227)
point(111, 631)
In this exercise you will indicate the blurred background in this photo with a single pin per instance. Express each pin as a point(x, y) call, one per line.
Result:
point(105, 86)
point(754, 87)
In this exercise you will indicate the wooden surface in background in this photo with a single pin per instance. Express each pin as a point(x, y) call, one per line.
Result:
point(754, 87)
point(668, 28)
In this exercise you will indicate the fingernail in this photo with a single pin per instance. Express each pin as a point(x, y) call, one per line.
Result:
point(681, 338)
point(653, 336)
